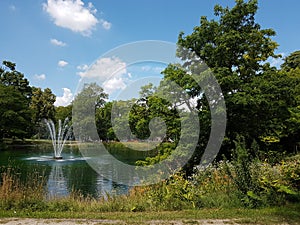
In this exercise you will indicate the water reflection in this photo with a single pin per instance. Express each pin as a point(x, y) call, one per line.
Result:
point(64, 176)
point(73, 174)
point(57, 183)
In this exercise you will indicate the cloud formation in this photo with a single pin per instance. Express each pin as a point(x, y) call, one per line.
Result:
point(104, 68)
point(57, 42)
point(40, 77)
point(65, 99)
point(114, 84)
point(74, 15)
point(111, 72)
point(62, 63)
point(105, 24)
point(277, 62)
point(82, 67)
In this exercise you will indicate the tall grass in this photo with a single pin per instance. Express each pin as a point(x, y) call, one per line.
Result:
point(16, 193)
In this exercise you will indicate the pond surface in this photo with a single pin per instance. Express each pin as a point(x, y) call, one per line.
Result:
point(72, 173)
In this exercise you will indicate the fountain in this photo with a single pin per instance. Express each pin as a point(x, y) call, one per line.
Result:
point(59, 140)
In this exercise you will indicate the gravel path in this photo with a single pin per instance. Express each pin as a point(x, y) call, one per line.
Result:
point(29, 221)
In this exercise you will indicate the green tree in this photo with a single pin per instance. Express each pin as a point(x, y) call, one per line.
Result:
point(292, 61)
point(103, 122)
point(9, 76)
point(235, 43)
point(42, 104)
point(291, 70)
point(15, 119)
point(85, 104)
point(42, 107)
point(235, 48)
point(62, 112)
point(15, 99)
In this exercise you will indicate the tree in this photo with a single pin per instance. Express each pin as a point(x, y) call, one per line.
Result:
point(15, 96)
point(235, 48)
point(291, 69)
point(292, 61)
point(42, 104)
point(62, 112)
point(15, 119)
point(85, 104)
point(42, 107)
point(235, 42)
point(103, 122)
point(9, 76)
point(262, 103)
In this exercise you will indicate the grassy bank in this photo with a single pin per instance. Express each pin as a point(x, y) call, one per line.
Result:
point(288, 214)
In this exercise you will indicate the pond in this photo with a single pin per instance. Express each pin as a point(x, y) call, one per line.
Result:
point(72, 173)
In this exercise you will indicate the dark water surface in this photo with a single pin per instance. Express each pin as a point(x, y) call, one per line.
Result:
point(62, 176)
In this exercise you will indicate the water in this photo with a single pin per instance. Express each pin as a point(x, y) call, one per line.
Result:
point(59, 140)
point(71, 173)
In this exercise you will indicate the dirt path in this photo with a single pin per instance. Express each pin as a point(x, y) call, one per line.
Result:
point(28, 221)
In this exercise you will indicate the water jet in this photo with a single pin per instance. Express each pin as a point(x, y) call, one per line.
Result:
point(59, 140)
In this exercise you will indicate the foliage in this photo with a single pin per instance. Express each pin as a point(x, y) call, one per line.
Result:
point(235, 42)
point(62, 112)
point(261, 102)
point(15, 119)
point(85, 104)
point(292, 61)
point(9, 76)
point(42, 104)
point(15, 95)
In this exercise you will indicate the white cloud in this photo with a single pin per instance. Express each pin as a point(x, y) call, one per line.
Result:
point(104, 68)
point(62, 63)
point(40, 77)
point(111, 72)
point(65, 99)
point(82, 67)
point(57, 42)
point(105, 24)
point(277, 62)
point(73, 15)
point(114, 84)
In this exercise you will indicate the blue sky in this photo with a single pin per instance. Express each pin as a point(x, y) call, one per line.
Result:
point(53, 49)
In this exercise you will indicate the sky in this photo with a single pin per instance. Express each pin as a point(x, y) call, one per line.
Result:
point(56, 43)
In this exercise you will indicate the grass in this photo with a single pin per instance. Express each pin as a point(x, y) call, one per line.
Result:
point(289, 214)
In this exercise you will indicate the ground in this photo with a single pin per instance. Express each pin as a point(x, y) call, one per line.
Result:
point(29, 221)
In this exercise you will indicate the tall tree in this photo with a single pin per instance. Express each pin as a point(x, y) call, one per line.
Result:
point(234, 43)
point(42, 107)
point(85, 104)
point(235, 48)
point(262, 103)
point(15, 96)
point(42, 104)
point(62, 112)
point(15, 116)
point(9, 76)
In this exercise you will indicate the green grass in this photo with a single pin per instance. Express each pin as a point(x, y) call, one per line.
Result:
point(289, 214)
